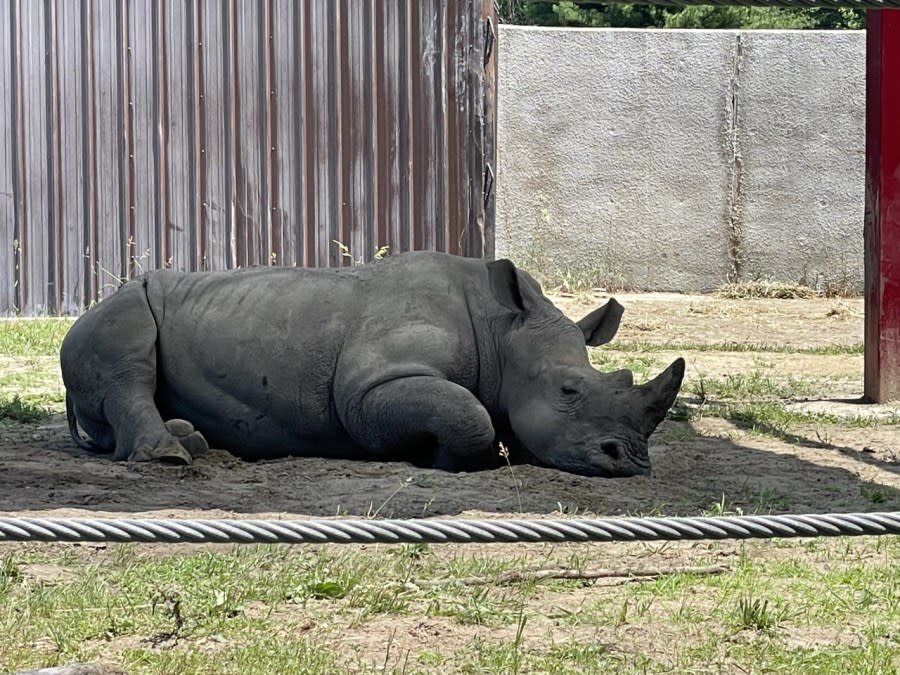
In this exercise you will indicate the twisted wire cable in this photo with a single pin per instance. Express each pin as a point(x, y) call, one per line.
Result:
point(437, 531)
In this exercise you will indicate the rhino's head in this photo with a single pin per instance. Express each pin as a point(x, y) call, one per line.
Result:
point(562, 412)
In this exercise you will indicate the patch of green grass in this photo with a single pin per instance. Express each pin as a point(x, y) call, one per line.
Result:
point(873, 493)
point(18, 410)
point(771, 418)
point(767, 500)
point(32, 337)
point(869, 658)
point(263, 609)
point(759, 415)
point(481, 606)
point(750, 500)
point(9, 573)
point(258, 652)
point(481, 565)
point(34, 380)
point(571, 656)
point(761, 652)
point(757, 614)
point(752, 385)
point(722, 508)
point(578, 656)
point(865, 422)
point(190, 598)
point(668, 586)
point(651, 347)
point(641, 365)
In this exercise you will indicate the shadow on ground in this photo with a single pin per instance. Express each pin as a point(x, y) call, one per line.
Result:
point(42, 470)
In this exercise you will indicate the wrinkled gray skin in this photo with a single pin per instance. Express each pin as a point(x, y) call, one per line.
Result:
point(422, 357)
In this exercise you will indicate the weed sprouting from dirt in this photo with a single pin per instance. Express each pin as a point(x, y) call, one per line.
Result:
point(374, 513)
point(874, 494)
point(18, 410)
point(722, 508)
point(757, 614)
point(517, 642)
point(504, 453)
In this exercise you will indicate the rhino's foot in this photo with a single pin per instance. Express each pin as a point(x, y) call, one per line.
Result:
point(171, 453)
point(180, 443)
point(190, 439)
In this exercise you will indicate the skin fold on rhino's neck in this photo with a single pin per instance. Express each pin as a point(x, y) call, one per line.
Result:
point(510, 345)
point(488, 330)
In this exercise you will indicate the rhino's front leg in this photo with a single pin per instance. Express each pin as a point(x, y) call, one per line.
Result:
point(399, 416)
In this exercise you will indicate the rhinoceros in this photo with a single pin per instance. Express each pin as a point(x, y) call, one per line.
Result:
point(422, 357)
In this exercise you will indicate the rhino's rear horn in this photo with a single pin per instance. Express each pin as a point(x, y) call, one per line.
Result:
point(661, 392)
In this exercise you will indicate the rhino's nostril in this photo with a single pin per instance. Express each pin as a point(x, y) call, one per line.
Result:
point(611, 448)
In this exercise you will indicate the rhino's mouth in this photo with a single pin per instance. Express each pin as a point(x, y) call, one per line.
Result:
point(615, 470)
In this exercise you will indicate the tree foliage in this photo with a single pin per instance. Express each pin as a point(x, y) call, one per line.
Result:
point(616, 15)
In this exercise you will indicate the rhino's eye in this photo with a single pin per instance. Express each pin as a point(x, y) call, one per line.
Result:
point(570, 390)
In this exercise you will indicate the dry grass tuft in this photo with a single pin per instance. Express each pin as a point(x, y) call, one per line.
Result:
point(764, 288)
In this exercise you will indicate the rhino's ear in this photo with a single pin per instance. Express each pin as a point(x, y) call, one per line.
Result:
point(600, 326)
point(505, 284)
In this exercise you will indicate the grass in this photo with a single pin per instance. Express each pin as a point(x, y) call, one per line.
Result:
point(259, 609)
point(644, 346)
point(32, 337)
point(768, 288)
point(772, 418)
point(756, 614)
point(765, 288)
point(25, 411)
point(755, 384)
point(30, 384)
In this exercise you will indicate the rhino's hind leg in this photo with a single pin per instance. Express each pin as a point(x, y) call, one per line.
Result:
point(108, 361)
point(395, 417)
point(141, 435)
point(100, 434)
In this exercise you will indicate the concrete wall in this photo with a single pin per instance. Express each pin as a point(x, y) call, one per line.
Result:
point(679, 160)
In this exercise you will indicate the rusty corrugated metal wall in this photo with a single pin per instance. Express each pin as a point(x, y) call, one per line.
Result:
point(207, 134)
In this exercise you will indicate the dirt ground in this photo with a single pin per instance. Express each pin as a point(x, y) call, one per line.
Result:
point(823, 468)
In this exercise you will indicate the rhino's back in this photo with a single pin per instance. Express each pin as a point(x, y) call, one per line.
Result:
point(247, 355)
point(251, 356)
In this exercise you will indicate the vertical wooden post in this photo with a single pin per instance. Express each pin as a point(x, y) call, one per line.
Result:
point(882, 215)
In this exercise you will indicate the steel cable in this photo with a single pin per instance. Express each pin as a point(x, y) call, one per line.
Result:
point(437, 531)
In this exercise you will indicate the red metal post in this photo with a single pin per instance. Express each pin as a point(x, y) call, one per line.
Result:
point(882, 216)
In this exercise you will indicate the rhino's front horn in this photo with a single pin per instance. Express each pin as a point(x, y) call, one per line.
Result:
point(660, 393)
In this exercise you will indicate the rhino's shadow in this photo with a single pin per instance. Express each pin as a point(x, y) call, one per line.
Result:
point(42, 470)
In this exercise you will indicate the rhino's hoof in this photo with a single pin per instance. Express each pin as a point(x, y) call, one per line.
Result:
point(172, 453)
point(191, 439)
point(195, 444)
point(179, 428)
